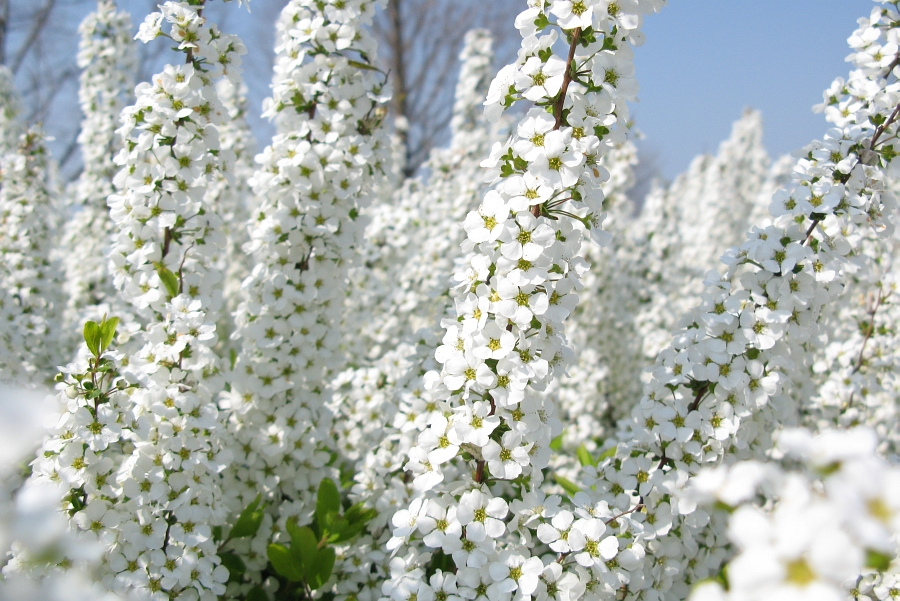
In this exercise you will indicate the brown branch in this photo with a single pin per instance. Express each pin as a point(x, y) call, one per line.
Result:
point(884, 126)
point(624, 513)
point(701, 392)
point(479, 466)
point(479, 471)
point(870, 330)
point(561, 100)
point(43, 15)
point(181, 268)
point(567, 78)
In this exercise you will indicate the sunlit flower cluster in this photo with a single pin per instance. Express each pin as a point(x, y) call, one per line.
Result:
point(30, 279)
point(138, 442)
point(306, 231)
point(512, 295)
point(824, 526)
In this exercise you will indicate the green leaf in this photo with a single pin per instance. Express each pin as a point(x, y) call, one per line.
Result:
point(359, 513)
point(588, 37)
point(320, 570)
point(168, 280)
point(600, 131)
point(349, 532)
point(328, 500)
point(569, 486)
point(877, 560)
point(92, 337)
point(304, 547)
point(752, 353)
point(248, 522)
point(556, 443)
point(584, 456)
point(108, 332)
point(234, 564)
point(335, 525)
point(607, 454)
point(365, 66)
point(541, 21)
point(256, 594)
point(281, 560)
point(348, 471)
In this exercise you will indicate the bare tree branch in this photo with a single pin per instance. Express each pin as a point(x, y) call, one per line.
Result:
point(40, 21)
point(4, 24)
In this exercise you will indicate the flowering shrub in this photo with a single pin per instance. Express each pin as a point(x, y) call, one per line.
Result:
point(307, 377)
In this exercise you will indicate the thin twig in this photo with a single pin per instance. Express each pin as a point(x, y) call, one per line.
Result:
point(561, 100)
point(624, 513)
point(870, 330)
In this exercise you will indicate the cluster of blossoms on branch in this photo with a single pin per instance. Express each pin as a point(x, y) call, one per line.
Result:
point(719, 389)
point(30, 277)
point(402, 287)
point(809, 527)
point(138, 442)
point(306, 233)
point(410, 245)
point(490, 430)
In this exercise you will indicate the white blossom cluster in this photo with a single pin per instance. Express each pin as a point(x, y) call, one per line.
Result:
point(685, 227)
point(30, 278)
point(138, 442)
point(379, 407)
point(475, 74)
point(107, 59)
point(10, 107)
point(306, 232)
point(231, 197)
point(30, 516)
point(410, 248)
point(714, 218)
point(824, 527)
point(492, 432)
point(854, 377)
point(604, 378)
point(379, 412)
point(717, 390)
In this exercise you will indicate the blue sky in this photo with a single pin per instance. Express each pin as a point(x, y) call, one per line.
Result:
point(706, 60)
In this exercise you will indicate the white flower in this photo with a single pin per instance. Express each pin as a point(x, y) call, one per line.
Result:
point(506, 459)
point(481, 515)
point(560, 535)
point(558, 163)
point(516, 572)
point(539, 80)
